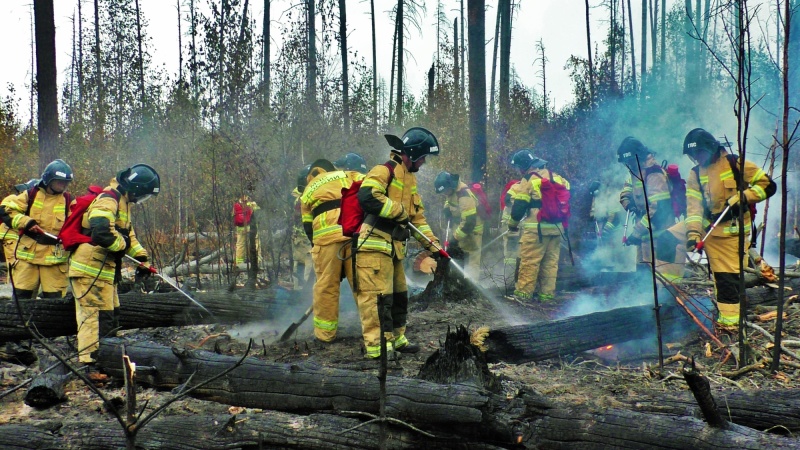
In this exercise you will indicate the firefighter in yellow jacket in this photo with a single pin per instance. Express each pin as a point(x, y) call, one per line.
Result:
point(390, 200)
point(711, 194)
point(301, 247)
point(540, 242)
point(242, 215)
point(320, 205)
point(8, 236)
point(511, 259)
point(39, 213)
point(642, 165)
point(461, 208)
point(94, 268)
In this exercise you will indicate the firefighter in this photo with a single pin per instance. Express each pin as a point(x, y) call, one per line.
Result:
point(242, 215)
point(642, 165)
point(301, 248)
point(94, 268)
point(711, 194)
point(39, 213)
point(461, 208)
point(540, 241)
point(320, 205)
point(390, 200)
point(8, 236)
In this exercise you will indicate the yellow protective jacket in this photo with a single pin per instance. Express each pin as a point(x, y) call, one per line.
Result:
point(662, 215)
point(320, 206)
point(527, 196)
point(383, 204)
point(509, 202)
point(708, 190)
point(463, 206)
point(49, 212)
point(104, 220)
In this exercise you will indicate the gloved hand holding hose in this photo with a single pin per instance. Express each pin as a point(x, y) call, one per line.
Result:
point(440, 250)
point(699, 245)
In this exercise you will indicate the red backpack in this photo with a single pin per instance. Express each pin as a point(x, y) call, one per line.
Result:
point(351, 215)
point(71, 234)
point(484, 207)
point(555, 202)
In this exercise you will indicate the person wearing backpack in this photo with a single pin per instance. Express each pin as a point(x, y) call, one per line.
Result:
point(712, 194)
point(390, 200)
point(34, 213)
point(540, 236)
point(461, 208)
point(320, 206)
point(645, 173)
point(94, 267)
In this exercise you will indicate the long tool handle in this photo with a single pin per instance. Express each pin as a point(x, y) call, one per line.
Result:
point(701, 244)
point(167, 280)
point(625, 229)
point(441, 251)
point(447, 236)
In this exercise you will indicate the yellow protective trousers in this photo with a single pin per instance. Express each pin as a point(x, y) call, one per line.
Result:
point(381, 275)
point(94, 300)
point(473, 264)
point(538, 268)
point(242, 241)
point(51, 278)
point(330, 270)
point(722, 253)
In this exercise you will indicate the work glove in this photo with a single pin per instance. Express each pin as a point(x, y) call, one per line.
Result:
point(693, 242)
point(453, 244)
point(142, 273)
point(594, 187)
point(632, 209)
point(513, 229)
point(633, 240)
point(401, 233)
point(447, 213)
point(127, 240)
point(735, 205)
point(402, 218)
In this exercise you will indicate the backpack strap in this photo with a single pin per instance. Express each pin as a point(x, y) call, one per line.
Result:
point(31, 197)
point(390, 165)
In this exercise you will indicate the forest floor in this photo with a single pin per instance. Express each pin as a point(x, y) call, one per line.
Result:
point(602, 378)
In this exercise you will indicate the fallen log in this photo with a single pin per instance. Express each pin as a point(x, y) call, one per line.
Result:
point(56, 317)
point(776, 411)
point(544, 340)
point(461, 408)
point(267, 430)
point(48, 388)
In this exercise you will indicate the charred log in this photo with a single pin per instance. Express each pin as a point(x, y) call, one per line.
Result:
point(17, 354)
point(48, 388)
point(776, 411)
point(701, 389)
point(56, 317)
point(251, 431)
point(545, 340)
point(449, 283)
point(463, 409)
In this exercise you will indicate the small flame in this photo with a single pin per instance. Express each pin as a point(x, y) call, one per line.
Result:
point(609, 347)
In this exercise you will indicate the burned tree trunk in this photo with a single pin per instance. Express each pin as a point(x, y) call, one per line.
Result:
point(56, 317)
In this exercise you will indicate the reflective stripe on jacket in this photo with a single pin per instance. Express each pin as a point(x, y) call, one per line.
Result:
point(661, 215)
point(464, 205)
point(326, 187)
point(48, 212)
point(528, 199)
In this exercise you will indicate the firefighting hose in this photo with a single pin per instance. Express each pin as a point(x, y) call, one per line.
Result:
point(699, 247)
point(441, 251)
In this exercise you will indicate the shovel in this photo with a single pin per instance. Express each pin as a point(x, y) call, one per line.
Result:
point(293, 327)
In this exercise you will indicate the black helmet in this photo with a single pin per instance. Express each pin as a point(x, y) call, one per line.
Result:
point(630, 148)
point(416, 143)
point(30, 184)
point(140, 182)
point(700, 140)
point(318, 167)
point(301, 178)
point(351, 161)
point(56, 170)
point(525, 159)
point(444, 181)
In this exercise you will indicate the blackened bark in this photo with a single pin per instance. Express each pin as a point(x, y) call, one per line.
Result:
point(476, 11)
point(46, 80)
